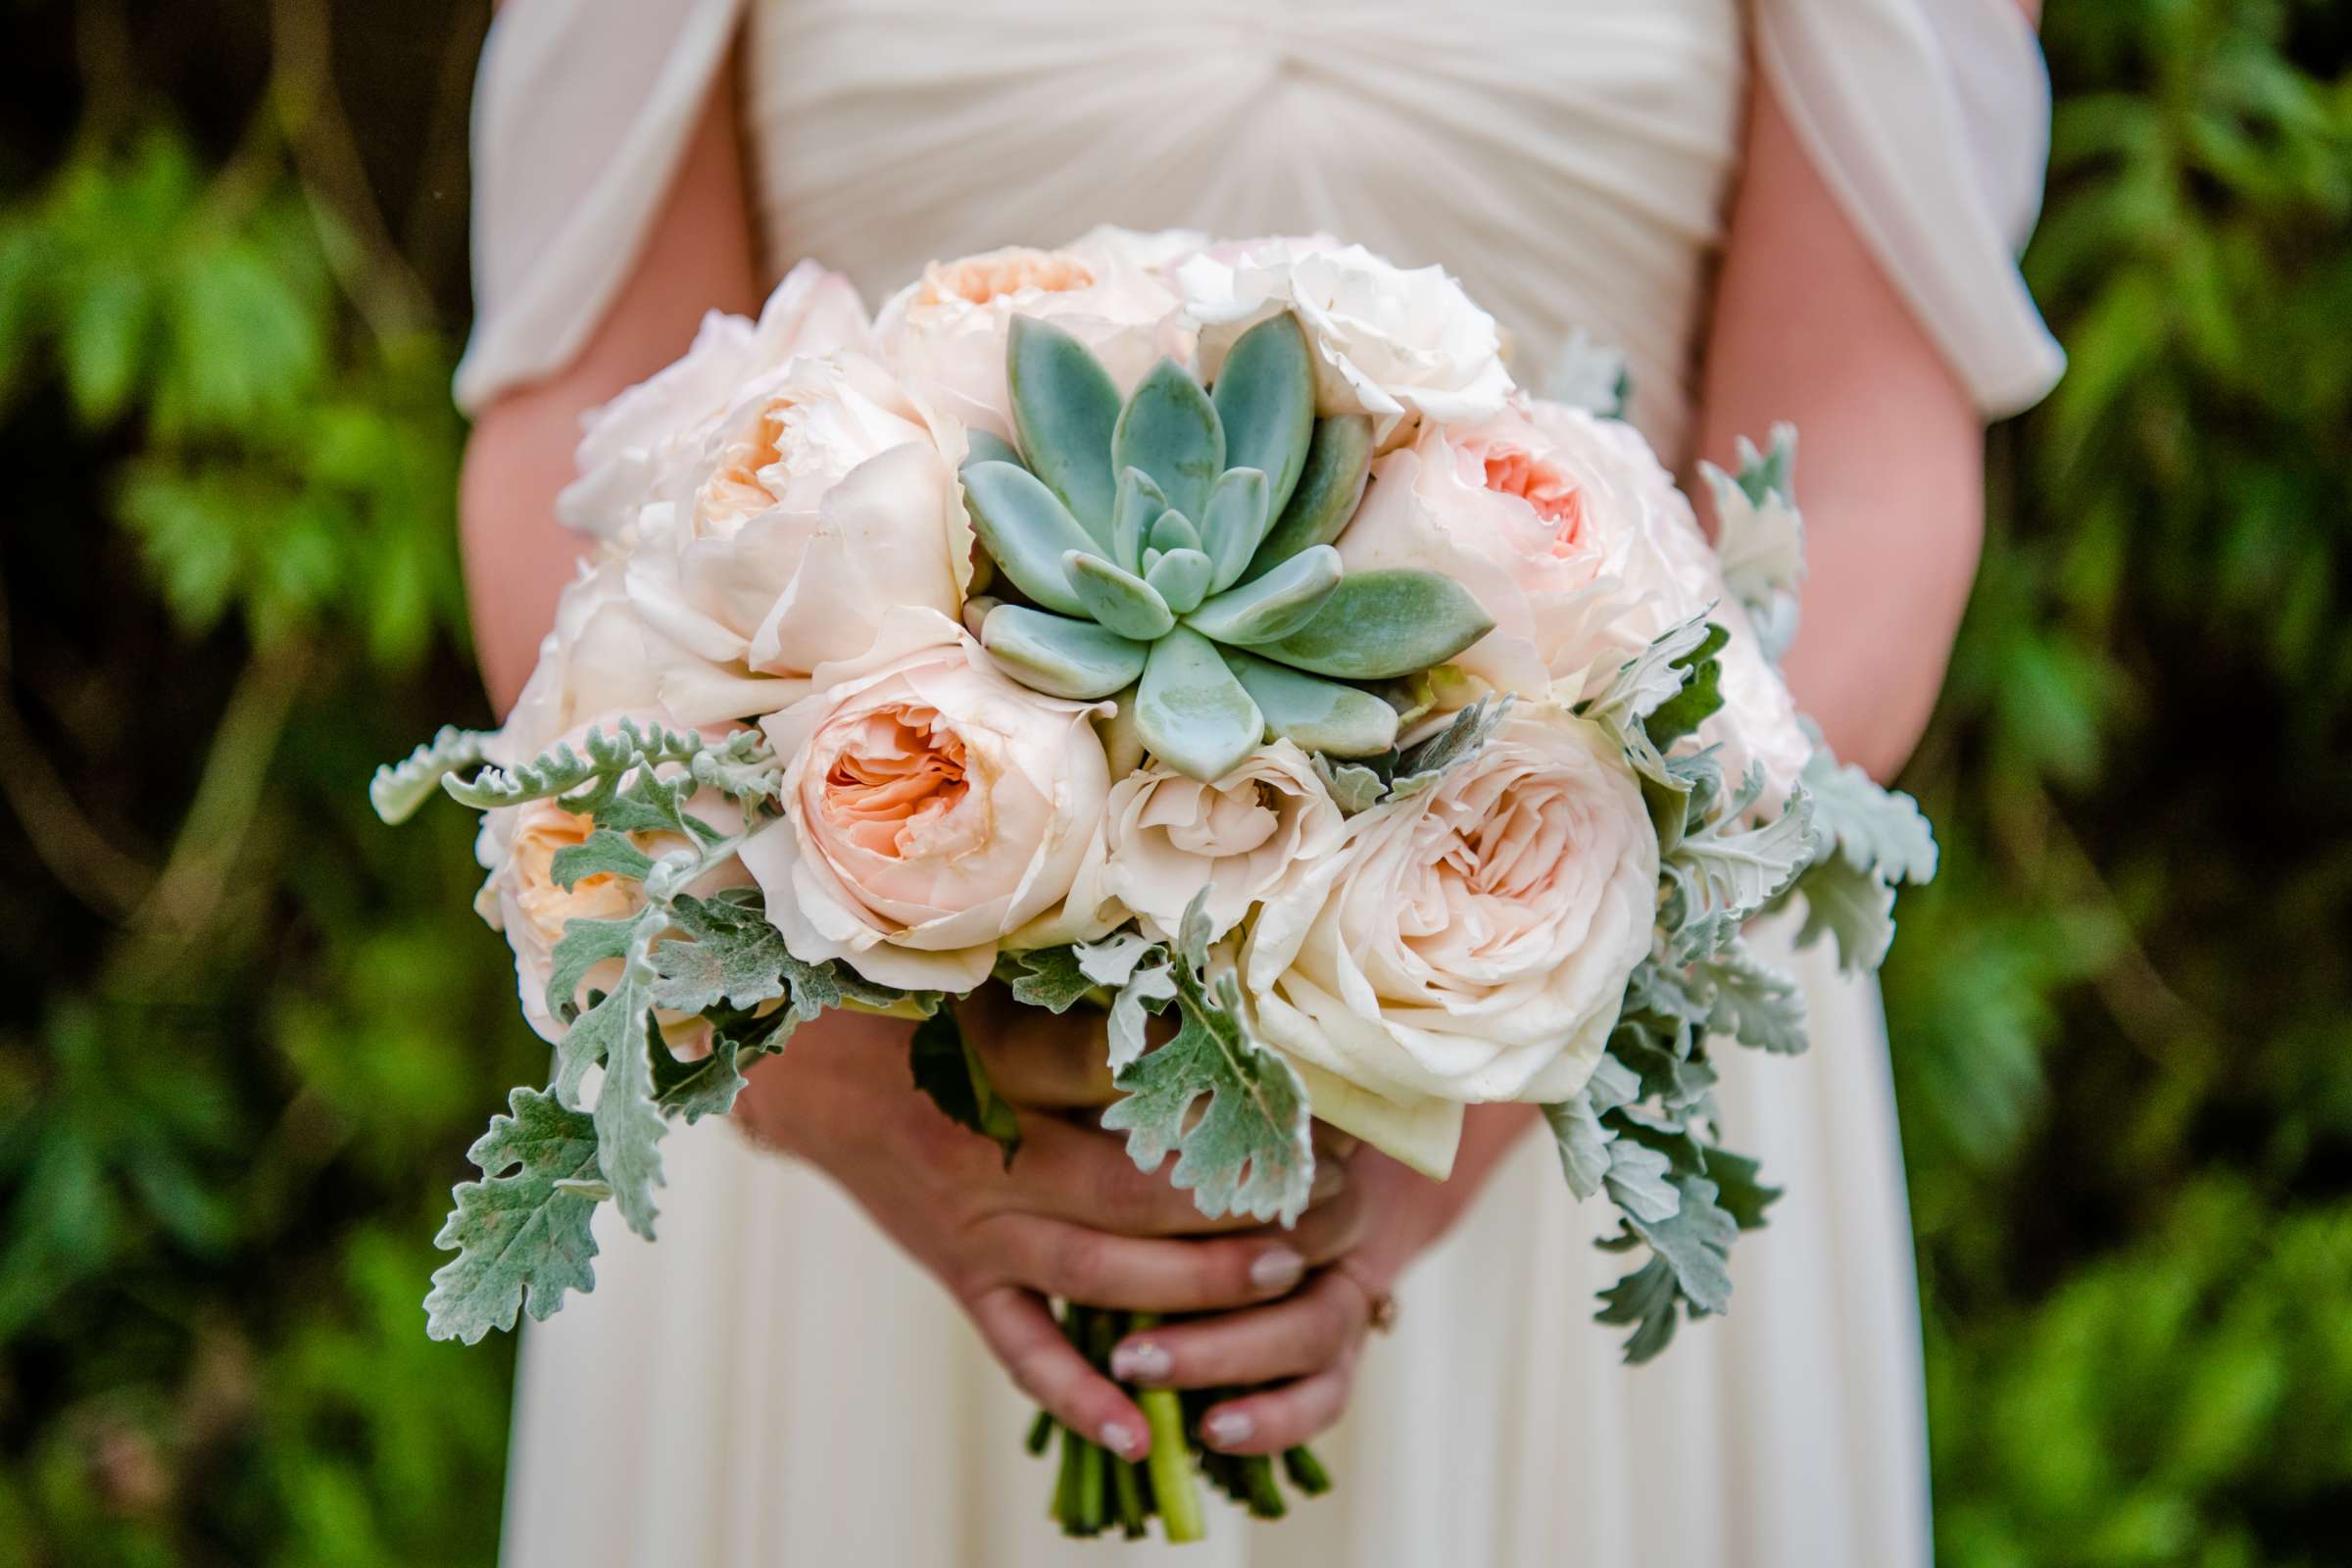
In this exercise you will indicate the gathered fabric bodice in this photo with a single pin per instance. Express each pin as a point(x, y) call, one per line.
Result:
point(1568, 161)
point(1568, 158)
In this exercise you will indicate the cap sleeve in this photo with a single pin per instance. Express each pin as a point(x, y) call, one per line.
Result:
point(581, 112)
point(1929, 121)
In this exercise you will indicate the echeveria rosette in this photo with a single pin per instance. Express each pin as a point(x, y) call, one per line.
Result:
point(1174, 549)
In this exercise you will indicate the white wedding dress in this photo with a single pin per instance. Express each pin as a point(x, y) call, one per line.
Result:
point(776, 1383)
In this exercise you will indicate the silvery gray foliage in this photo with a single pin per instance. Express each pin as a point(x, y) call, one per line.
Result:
point(521, 1232)
point(1643, 1129)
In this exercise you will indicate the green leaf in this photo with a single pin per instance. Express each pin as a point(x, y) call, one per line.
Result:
point(1147, 989)
point(1272, 605)
point(1740, 1191)
point(1139, 505)
point(1339, 462)
point(1170, 431)
point(1584, 1143)
point(1648, 1298)
point(1753, 1002)
point(1045, 977)
point(1248, 1152)
point(1723, 874)
point(1873, 829)
point(1060, 656)
point(1233, 523)
point(731, 954)
point(628, 1124)
point(1066, 408)
point(1117, 599)
point(605, 852)
point(1639, 1180)
point(1181, 577)
point(948, 1069)
point(1172, 530)
point(1027, 532)
point(1854, 907)
point(400, 788)
point(1191, 711)
point(1353, 786)
point(597, 1032)
point(983, 446)
point(522, 1240)
point(585, 945)
point(1376, 625)
point(1266, 398)
point(1422, 764)
point(1701, 696)
point(1316, 714)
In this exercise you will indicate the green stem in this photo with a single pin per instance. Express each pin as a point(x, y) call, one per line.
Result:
point(1258, 1484)
point(1305, 1471)
point(1171, 1457)
point(1065, 1489)
point(1127, 1490)
point(1040, 1433)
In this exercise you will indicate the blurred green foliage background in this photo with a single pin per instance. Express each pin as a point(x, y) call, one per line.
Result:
point(246, 1033)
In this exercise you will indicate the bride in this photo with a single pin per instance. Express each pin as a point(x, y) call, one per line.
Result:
point(1798, 210)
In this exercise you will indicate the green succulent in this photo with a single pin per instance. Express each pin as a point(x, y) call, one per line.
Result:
point(1174, 549)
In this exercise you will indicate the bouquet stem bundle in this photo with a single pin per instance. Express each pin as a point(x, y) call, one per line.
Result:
point(1096, 1489)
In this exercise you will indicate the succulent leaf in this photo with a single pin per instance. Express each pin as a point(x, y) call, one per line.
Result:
point(1058, 656)
point(1027, 531)
point(1322, 715)
point(1170, 431)
point(1275, 604)
point(1173, 531)
point(1265, 395)
point(1376, 625)
point(985, 446)
point(1181, 577)
point(1066, 408)
point(1234, 522)
point(1117, 598)
point(1192, 711)
point(1139, 505)
point(1338, 463)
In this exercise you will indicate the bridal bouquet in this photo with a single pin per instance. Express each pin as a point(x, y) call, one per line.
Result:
point(1204, 632)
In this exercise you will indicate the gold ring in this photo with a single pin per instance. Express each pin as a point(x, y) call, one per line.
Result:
point(1380, 1308)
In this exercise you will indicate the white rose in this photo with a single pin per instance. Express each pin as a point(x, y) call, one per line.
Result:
point(1641, 533)
point(931, 806)
point(1470, 943)
point(1164, 837)
point(599, 658)
point(630, 448)
point(825, 496)
point(1394, 344)
point(945, 333)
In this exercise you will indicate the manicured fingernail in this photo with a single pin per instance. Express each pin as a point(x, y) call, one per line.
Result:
point(1277, 1269)
point(1119, 1439)
point(1227, 1427)
point(1139, 1363)
point(1331, 1180)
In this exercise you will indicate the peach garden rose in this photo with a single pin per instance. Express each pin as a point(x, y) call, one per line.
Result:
point(931, 806)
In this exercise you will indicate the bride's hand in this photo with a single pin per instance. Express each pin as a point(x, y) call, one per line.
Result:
point(1073, 1217)
point(1305, 1346)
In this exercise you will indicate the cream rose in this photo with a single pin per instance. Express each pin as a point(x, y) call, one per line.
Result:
point(931, 806)
point(945, 332)
point(599, 658)
point(1470, 943)
point(631, 446)
point(1164, 837)
point(1394, 344)
point(826, 495)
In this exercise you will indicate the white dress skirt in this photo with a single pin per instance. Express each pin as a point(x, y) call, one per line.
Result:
point(774, 1384)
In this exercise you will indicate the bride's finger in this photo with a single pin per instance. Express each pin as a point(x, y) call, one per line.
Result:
point(1203, 1275)
point(1296, 1336)
point(1082, 1174)
point(1021, 1333)
point(1053, 1064)
point(1281, 1417)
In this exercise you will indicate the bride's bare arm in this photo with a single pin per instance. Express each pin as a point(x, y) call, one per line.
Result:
point(698, 256)
point(1806, 328)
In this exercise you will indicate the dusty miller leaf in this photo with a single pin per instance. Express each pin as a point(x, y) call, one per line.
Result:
point(521, 1238)
point(1353, 786)
point(605, 852)
point(1854, 907)
point(1723, 874)
point(1753, 1002)
point(400, 788)
point(1640, 1181)
point(731, 954)
point(585, 945)
point(1248, 1152)
point(628, 1124)
point(1149, 989)
point(1873, 829)
point(1045, 977)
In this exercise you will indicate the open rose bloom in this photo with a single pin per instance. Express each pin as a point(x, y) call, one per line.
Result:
point(1212, 634)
